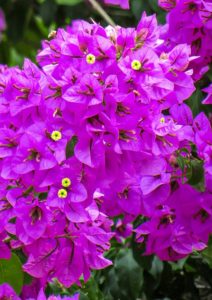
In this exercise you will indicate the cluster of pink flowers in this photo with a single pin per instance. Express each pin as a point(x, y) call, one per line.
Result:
point(7, 293)
point(98, 131)
point(190, 22)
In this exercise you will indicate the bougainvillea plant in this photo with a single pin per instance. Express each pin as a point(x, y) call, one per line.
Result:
point(99, 135)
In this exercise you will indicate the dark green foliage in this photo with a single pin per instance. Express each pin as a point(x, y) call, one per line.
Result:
point(11, 272)
point(70, 146)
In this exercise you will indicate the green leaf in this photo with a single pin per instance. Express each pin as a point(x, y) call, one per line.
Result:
point(196, 174)
point(27, 279)
point(154, 5)
point(183, 150)
point(112, 287)
point(144, 261)
point(195, 101)
point(11, 272)
point(68, 2)
point(207, 253)
point(161, 17)
point(157, 267)
point(209, 74)
point(91, 291)
point(181, 162)
point(70, 146)
point(179, 265)
point(47, 11)
point(41, 26)
point(129, 274)
point(138, 7)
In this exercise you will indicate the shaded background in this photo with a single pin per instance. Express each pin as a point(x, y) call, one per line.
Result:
point(132, 277)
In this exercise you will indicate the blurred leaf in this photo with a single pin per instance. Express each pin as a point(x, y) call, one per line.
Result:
point(157, 268)
point(112, 287)
point(138, 7)
point(91, 291)
point(68, 2)
point(181, 162)
point(178, 265)
point(183, 150)
point(124, 280)
point(129, 274)
point(11, 272)
point(195, 101)
point(195, 174)
point(154, 5)
point(161, 17)
point(207, 253)
point(48, 11)
point(144, 261)
point(150, 285)
point(209, 74)
point(70, 146)
point(41, 26)
point(18, 17)
point(15, 58)
point(27, 278)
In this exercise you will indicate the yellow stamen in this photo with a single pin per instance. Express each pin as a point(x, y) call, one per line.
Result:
point(162, 120)
point(136, 65)
point(56, 135)
point(66, 182)
point(90, 59)
point(62, 193)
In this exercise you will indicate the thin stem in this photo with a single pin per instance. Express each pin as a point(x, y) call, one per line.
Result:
point(102, 12)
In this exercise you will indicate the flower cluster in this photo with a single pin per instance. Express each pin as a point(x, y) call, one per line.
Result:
point(101, 130)
point(46, 208)
point(190, 22)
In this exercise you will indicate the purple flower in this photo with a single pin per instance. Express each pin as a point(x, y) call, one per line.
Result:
point(167, 4)
point(123, 3)
point(7, 292)
point(208, 99)
point(32, 219)
point(170, 232)
point(31, 156)
point(147, 31)
point(150, 183)
point(191, 26)
point(87, 93)
point(4, 249)
point(78, 250)
point(41, 296)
